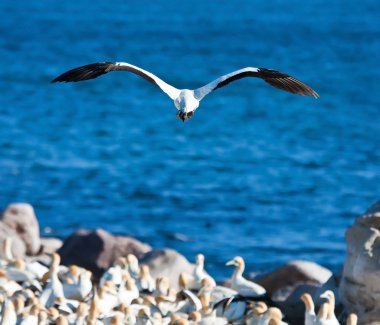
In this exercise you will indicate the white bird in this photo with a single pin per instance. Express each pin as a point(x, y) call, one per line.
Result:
point(79, 290)
point(233, 309)
point(8, 313)
point(43, 318)
point(133, 266)
point(199, 273)
point(128, 290)
point(6, 255)
point(331, 318)
point(257, 314)
point(352, 319)
point(243, 286)
point(322, 316)
point(310, 316)
point(146, 282)
point(31, 318)
point(216, 292)
point(53, 288)
point(262, 315)
point(185, 100)
point(6, 285)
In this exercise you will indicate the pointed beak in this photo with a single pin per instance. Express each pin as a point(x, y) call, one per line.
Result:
point(181, 117)
point(326, 295)
point(231, 262)
point(184, 116)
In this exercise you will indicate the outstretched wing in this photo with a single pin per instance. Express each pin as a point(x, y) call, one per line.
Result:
point(274, 78)
point(94, 70)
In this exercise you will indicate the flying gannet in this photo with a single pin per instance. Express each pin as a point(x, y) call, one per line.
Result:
point(185, 100)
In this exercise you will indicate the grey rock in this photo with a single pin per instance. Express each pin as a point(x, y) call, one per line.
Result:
point(96, 250)
point(293, 274)
point(287, 283)
point(167, 262)
point(360, 285)
point(291, 304)
point(22, 219)
point(50, 245)
point(18, 248)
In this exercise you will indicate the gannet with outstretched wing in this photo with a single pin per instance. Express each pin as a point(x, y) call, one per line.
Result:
point(186, 100)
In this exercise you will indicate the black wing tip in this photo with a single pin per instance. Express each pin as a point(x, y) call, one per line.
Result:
point(86, 72)
point(304, 90)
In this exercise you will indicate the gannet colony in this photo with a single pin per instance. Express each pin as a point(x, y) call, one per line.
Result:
point(32, 293)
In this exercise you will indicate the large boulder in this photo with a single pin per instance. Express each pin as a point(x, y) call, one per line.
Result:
point(360, 284)
point(294, 273)
point(50, 245)
point(288, 282)
point(22, 219)
point(96, 250)
point(167, 262)
point(18, 248)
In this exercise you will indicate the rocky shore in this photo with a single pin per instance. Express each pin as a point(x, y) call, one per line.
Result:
point(356, 287)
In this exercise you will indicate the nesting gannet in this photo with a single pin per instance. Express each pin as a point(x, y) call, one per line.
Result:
point(43, 318)
point(94, 311)
point(53, 314)
point(186, 302)
point(352, 319)
point(260, 314)
point(8, 313)
point(81, 314)
point(163, 289)
point(256, 315)
point(194, 281)
point(17, 271)
point(322, 316)
point(62, 320)
point(190, 302)
point(129, 314)
point(114, 273)
point(8, 285)
point(79, 290)
point(133, 266)
point(329, 295)
point(143, 316)
point(146, 282)
point(243, 286)
point(216, 292)
point(107, 299)
point(19, 304)
point(31, 318)
point(310, 316)
point(128, 290)
point(233, 309)
point(6, 255)
point(53, 288)
point(185, 100)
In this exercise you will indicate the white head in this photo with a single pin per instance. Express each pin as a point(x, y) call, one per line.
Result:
point(186, 104)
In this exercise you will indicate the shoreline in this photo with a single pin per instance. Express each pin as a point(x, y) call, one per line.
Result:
point(95, 252)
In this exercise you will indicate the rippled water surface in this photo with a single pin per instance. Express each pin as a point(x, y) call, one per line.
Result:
point(257, 172)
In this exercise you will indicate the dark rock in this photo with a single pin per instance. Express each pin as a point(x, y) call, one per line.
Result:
point(97, 250)
point(22, 219)
point(167, 262)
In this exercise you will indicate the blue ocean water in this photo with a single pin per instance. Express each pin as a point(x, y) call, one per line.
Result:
point(256, 172)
